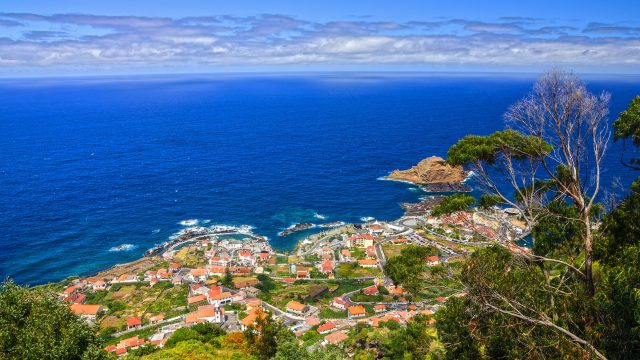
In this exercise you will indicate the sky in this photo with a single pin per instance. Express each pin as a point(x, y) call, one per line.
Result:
point(64, 37)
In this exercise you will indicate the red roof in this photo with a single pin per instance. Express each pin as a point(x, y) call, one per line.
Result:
point(175, 266)
point(134, 321)
point(371, 290)
point(338, 300)
point(326, 327)
point(362, 236)
point(121, 351)
point(327, 266)
point(433, 259)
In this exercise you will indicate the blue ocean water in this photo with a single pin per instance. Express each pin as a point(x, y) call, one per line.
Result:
point(89, 164)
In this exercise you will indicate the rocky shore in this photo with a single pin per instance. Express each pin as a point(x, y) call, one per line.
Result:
point(434, 175)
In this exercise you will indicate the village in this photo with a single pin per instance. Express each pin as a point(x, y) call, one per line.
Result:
point(331, 282)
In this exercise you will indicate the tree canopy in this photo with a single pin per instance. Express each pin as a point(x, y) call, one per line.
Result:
point(35, 325)
point(453, 203)
point(407, 268)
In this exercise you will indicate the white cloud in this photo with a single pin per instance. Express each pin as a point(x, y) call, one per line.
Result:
point(91, 41)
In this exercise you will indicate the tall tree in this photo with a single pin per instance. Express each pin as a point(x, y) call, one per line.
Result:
point(557, 141)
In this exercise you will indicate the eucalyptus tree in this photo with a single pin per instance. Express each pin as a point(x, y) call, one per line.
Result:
point(552, 151)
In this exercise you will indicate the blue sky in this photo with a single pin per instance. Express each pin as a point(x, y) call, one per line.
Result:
point(118, 37)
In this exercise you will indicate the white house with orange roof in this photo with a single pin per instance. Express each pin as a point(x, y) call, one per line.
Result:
point(360, 241)
point(220, 299)
point(219, 261)
point(245, 257)
point(340, 304)
point(205, 313)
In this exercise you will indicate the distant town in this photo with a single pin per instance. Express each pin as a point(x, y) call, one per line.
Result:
point(331, 282)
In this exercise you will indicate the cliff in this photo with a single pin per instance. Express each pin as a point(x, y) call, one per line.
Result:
point(432, 170)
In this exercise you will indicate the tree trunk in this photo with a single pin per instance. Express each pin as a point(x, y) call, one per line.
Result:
point(588, 260)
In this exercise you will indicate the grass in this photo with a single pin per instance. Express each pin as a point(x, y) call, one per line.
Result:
point(367, 298)
point(329, 313)
point(391, 251)
point(352, 270)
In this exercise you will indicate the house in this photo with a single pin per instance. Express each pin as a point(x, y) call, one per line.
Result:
point(251, 319)
point(371, 290)
point(240, 270)
point(174, 267)
point(87, 312)
point(156, 318)
point(345, 255)
point(153, 282)
point(326, 328)
point(433, 260)
point(205, 313)
point(371, 252)
point(356, 311)
point(379, 308)
point(252, 291)
point(214, 290)
point(368, 263)
point(125, 278)
point(326, 251)
point(296, 307)
point(218, 271)
point(399, 241)
point(326, 267)
point(196, 299)
point(360, 241)
point(220, 299)
point(312, 321)
point(148, 275)
point(245, 257)
point(219, 261)
point(302, 273)
point(198, 289)
point(99, 285)
point(340, 304)
point(69, 291)
point(76, 298)
point(335, 338)
point(134, 323)
point(263, 257)
point(196, 275)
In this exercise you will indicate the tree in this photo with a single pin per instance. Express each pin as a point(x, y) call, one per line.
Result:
point(265, 337)
point(228, 278)
point(453, 203)
point(407, 268)
point(627, 126)
point(547, 165)
point(557, 141)
point(508, 313)
point(411, 342)
point(35, 325)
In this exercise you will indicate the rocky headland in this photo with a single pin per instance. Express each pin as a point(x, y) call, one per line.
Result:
point(435, 175)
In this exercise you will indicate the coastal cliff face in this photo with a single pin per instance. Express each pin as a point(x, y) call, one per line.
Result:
point(432, 170)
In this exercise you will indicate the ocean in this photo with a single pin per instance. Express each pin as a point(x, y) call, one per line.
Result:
point(88, 164)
